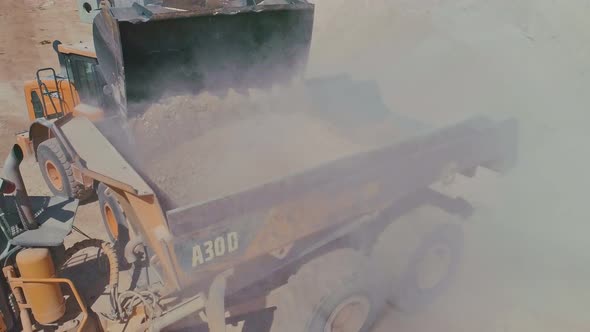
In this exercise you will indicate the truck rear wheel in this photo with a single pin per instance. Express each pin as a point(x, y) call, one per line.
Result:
point(419, 256)
point(431, 269)
point(328, 294)
point(58, 173)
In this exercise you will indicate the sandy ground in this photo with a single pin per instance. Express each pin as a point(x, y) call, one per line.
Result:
point(26, 28)
point(526, 256)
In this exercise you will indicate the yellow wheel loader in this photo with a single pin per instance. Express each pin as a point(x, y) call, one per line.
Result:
point(263, 204)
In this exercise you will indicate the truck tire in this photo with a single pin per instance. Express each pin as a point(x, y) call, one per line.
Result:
point(352, 307)
point(325, 293)
point(57, 171)
point(417, 257)
point(424, 281)
point(113, 218)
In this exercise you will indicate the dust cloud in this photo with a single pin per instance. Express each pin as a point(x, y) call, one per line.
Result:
point(439, 62)
point(525, 260)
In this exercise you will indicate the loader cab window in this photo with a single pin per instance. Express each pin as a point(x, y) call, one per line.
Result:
point(82, 74)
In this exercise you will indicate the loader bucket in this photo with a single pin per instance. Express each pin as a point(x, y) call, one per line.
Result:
point(145, 52)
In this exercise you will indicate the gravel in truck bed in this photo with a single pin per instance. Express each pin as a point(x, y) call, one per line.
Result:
point(197, 148)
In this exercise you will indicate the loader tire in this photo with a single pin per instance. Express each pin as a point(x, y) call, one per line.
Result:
point(113, 218)
point(57, 171)
point(417, 258)
point(326, 293)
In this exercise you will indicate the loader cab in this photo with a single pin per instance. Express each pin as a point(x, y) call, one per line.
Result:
point(55, 93)
point(81, 67)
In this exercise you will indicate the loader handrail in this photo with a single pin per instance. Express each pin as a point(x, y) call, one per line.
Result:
point(45, 92)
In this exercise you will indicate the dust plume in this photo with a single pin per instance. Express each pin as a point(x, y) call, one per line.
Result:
point(435, 62)
point(525, 265)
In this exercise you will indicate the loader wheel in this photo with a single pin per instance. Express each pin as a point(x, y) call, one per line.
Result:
point(328, 294)
point(114, 218)
point(58, 173)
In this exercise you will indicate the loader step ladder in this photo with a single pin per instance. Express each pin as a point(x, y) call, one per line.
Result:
point(51, 94)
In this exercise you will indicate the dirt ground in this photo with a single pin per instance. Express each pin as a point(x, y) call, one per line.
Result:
point(28, 27)
point(526, 266)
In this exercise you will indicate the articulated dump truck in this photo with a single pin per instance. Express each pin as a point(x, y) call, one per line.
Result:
point(276, 209)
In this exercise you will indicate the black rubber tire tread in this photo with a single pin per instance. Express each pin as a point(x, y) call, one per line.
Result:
point(395, 254)
point(113, 263)
point(51, 150)
point(108, 250)
point(317, 283)
point(106, 197)
point(355, 287)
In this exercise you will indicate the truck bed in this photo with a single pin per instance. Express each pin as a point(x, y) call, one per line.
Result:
point(328, 168)
point(205, 148)
point(319, 158)
point(248, 153)
point(322, 199)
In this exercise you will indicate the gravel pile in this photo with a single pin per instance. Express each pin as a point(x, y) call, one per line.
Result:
point(197, 148)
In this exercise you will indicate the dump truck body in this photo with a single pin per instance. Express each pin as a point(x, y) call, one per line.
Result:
point(201, 239)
